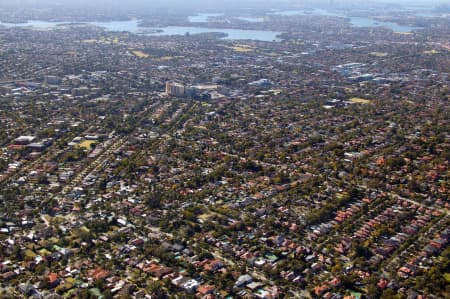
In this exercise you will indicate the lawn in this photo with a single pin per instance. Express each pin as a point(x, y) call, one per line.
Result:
point(87, 144)
point(241, 49)
point(431, 52)
point(379, 54)
point(360, 101)
point(140, 54)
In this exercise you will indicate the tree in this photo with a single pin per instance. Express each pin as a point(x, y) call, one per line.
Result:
point(373, 292)
point(155, 289)
point(153, 200)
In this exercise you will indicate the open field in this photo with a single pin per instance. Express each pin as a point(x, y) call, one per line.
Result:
point(87, 144)
point(140, 54)
point(379, 54)
point(360, 101)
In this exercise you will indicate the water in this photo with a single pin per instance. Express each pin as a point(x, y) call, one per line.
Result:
point(130, 26)
point(203, 17)
point(232, 33)
point(251, 19)
point(133, 27)
point(367, 22)
point(34, 24)
point(290, 13)
point(314, 12)
point(355, 21)
point(432, 15)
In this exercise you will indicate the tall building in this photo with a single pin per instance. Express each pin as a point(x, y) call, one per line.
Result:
point(175, 89)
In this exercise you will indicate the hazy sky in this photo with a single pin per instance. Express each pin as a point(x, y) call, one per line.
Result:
point(211, 3)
